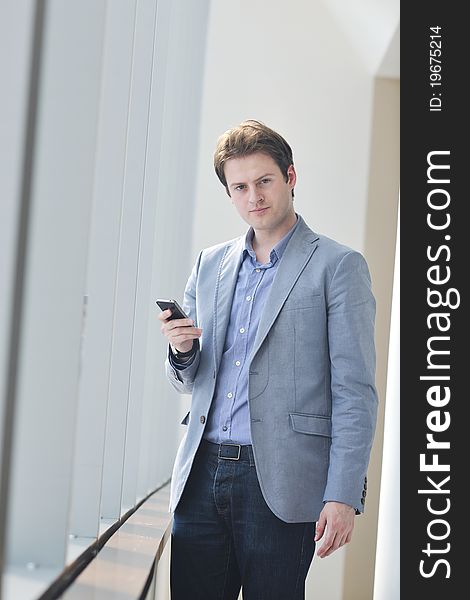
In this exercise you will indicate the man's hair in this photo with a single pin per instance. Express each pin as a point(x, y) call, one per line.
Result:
point(247, 138)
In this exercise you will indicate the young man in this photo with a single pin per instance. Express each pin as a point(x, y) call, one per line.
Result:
point(278, 353)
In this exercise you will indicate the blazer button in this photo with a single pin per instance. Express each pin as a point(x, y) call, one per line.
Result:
point(364, 493)
point(202, 419)
point(363, 500)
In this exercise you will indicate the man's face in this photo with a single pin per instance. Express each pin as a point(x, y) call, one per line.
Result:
point(260, 192)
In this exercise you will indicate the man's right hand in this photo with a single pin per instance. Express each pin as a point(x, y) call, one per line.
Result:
point(179, 332)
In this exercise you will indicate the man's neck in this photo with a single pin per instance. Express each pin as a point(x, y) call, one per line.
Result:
point(264, 240)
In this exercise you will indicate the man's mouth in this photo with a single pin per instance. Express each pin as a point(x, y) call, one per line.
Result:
point(260, 210)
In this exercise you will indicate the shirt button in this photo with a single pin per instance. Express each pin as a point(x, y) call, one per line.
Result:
point(202, 419)
point(248, 298)
point(229, 395)
point(257, 270)
point(242, 330)
point(224, 428)
point(238, 363)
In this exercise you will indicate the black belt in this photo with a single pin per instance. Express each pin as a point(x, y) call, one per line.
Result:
point(227, 451)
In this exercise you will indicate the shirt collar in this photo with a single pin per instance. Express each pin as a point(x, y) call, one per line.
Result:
point(278, 250)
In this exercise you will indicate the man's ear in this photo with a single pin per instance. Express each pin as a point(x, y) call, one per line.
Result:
point(291, 175)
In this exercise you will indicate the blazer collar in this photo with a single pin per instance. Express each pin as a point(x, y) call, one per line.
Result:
point(297, 253)
point(224, 289)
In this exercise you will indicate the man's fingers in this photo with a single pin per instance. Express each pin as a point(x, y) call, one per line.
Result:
point(337, 519)
point(184, 337)
point(328, 545)
point(320, 528)
point(174, 323)
point(168, 328)
point(333, 541)
point(182, 322)
point(164, 315)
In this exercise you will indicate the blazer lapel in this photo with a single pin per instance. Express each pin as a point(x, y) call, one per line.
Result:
point(224, 289)
point(296, 255)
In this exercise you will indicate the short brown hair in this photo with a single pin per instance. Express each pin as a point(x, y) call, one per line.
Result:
point(247, 138)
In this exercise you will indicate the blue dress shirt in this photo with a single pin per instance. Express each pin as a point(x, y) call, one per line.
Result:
point(229, 416)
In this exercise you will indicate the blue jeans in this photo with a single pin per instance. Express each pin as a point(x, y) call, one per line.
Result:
point(225, 536)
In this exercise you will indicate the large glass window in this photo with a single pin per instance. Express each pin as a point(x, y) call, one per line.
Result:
point(99, 167)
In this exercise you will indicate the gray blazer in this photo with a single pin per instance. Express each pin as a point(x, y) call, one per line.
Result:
point(312, 397)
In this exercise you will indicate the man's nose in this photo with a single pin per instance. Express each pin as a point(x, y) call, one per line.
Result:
point(255, 196)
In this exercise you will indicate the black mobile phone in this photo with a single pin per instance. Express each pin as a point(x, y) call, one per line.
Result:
point(176, 311)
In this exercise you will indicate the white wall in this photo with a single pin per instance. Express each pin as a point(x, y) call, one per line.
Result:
point(268, 61)
point(387, 567)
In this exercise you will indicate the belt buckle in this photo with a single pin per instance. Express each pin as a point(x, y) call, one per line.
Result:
point(230, 457)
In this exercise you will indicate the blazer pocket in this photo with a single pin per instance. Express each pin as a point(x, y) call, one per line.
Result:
point(296, 301)
point(311, 424)
point(186, 419)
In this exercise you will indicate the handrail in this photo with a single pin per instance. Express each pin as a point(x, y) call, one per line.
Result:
point(123, 559)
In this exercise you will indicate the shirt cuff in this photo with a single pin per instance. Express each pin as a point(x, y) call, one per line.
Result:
point(182, 363)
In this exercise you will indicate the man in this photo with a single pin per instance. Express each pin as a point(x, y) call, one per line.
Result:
point(278, 353)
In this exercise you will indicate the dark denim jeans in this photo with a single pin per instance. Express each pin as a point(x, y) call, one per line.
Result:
point(225, 536)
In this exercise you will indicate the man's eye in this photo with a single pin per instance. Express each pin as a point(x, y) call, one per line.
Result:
point(266, 180)
point(240, 187)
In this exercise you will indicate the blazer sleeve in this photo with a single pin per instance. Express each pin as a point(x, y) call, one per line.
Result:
point(180, 376)
point(351, 316)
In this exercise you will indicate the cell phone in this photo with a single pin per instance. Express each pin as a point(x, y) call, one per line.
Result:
point(176, 311)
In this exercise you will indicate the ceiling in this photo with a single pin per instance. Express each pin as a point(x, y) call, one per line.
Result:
point(373, 28)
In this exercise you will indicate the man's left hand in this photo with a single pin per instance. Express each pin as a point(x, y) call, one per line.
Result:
point(338, 519)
